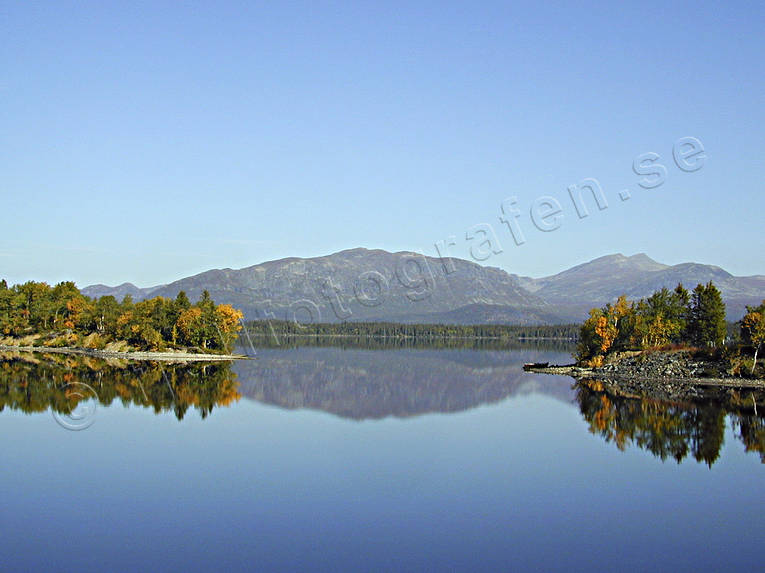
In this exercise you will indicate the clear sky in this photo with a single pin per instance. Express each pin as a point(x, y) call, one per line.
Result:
point(148, 141)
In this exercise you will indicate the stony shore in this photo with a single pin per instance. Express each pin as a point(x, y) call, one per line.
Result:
point(664, 375)
point(158, 356)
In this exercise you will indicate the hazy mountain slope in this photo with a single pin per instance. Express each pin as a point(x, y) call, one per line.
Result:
point(595, 280)
point(119, 292)
point(363, 284)
point(574, 291)
point(479, 313)
point(347, 286)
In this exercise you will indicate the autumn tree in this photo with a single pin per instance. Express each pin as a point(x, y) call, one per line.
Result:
point(661, 318)
point(208, 325)
point(753, 329)
point(228, 324)
point(610, 322)
point(67, 305)
point(78, 308)
point(191, 327)
point(603, 329)
point(590, 342)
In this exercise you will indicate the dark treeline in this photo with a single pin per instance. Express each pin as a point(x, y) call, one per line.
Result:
point(391, 343)
point(38, 385)
point(281, 329)
point(34, 313)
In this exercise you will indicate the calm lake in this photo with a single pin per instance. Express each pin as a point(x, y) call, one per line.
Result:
point(333, 459)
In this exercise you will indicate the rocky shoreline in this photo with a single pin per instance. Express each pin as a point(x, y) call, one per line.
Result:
point(106, 354)
point(663, 375)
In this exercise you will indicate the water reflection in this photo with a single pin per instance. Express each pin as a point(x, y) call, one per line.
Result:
point(670, 429)
point(282, 342)
point(350, 383)
point(363, 384)
point(372, 384)
point(37, 383)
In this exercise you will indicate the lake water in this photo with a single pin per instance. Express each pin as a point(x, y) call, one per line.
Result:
point(354, 459)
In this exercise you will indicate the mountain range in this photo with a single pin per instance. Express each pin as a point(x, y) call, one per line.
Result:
point(376, 285)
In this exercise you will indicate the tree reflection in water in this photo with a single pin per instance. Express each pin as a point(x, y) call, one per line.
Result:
point(669, 429)
point(35, 384)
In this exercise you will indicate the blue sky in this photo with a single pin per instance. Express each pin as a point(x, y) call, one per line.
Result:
point(145, 142)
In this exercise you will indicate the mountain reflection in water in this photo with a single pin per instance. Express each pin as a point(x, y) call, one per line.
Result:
point(373, 384)
point(366, 384)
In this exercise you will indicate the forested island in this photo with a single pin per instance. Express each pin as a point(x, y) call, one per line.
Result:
point(35, 315)
point(673, 334)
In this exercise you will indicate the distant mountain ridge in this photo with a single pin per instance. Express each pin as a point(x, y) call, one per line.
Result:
point(120, 291)
point(606, 278)
point(364, 284)
point(356, 284)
